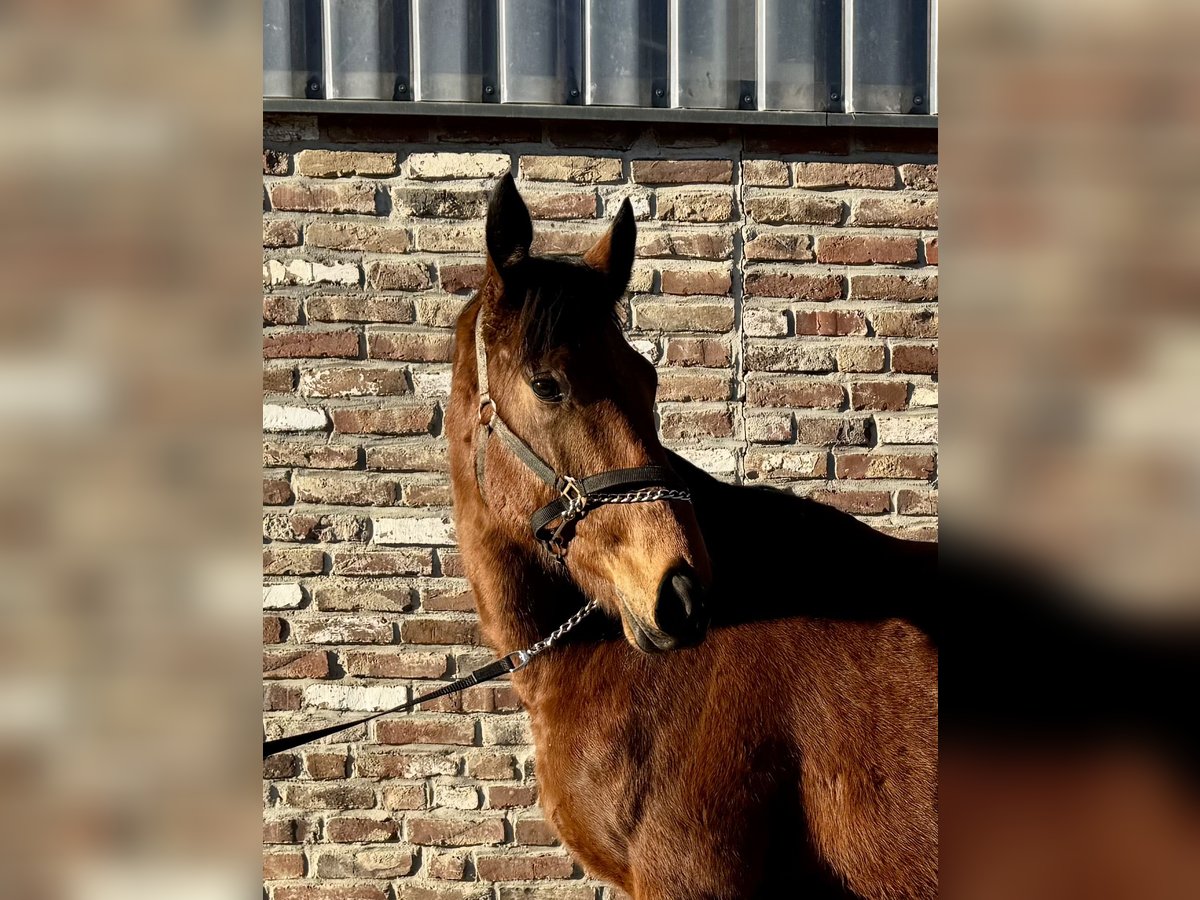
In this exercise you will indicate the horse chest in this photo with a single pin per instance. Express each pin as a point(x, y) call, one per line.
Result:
point(589, 788)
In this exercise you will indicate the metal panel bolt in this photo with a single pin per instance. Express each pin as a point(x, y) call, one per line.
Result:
point(489, 90)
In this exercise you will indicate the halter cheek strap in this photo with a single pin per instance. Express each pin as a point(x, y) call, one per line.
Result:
point(642, 484)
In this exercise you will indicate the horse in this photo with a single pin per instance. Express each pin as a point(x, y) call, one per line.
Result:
point(753, 709)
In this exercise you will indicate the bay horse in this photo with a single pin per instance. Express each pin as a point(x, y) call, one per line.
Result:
point(753, 710)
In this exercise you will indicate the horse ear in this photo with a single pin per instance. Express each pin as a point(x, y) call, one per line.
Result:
point(509, 228)
point(612, 255)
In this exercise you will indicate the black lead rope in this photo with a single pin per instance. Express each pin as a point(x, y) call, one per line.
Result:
point(503, 666)
point(514, 662)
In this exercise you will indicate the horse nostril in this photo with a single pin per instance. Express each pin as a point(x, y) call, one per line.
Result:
point(680, 612)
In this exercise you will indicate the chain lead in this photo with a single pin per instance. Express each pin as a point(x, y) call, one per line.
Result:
point(524, 656)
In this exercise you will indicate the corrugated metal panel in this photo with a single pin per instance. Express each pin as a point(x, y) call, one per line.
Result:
point(858, 56)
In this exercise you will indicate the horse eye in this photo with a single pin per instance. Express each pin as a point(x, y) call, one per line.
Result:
point(546, 387)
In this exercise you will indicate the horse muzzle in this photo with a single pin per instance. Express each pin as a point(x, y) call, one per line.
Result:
point(680, 614)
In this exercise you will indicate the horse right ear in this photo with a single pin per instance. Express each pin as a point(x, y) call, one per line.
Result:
point(509, 227)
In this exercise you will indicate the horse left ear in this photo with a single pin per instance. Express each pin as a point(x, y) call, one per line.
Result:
point(612, 255)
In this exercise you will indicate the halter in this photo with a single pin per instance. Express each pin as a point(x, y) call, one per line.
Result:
point(643, 484)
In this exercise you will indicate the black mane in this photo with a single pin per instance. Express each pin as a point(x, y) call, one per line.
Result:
point(564, 304)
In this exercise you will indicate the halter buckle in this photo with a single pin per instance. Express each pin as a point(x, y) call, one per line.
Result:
point(574, 497)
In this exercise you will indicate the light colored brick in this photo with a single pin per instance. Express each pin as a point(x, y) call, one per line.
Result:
point(441, 166)
point(794, 209)
point(345, 697)
point(685, 205)
point(293, 418)
point(679, 315)
point(911, 429)
point(577, 169)
point(900, 211)
point(765, 173)
point(373, 238)
point(338, 163)
point(784, 465)
point(301, 271)
point(355, 381)
point(414, 529)
point(789, 356)
point(282, 596)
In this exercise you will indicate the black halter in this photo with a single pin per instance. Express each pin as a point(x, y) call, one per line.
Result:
point(643, 484)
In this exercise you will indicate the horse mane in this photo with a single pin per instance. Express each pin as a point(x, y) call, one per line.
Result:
point(563, 305)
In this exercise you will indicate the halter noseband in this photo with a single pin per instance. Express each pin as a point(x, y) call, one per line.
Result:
point(643, 484)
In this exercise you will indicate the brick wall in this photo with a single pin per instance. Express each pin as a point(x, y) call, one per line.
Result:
point(786, 287)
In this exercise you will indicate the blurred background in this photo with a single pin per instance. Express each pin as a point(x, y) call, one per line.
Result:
point(129, 380)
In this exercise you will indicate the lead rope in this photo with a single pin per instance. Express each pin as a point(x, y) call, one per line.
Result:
point(513, 662)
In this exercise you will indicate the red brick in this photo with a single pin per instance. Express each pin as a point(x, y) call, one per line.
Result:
point(407, 730)
point(454, 832)
point(861, 249)
point(404, 664)
point(831, 322)
point(511, 867)
point(917, 503)
point(276, 491)
point(566, 205)
point(885, 465)
point(457, 279)
point(795, 392)
point(792, 285)
point(779, 245)
point(859, 503)
point(879, 395)
point(692, 244)
point(323, 766)
point(535, 833)
point(506, 797)
point(427, 630)
point(295, 664)
point(411, 346)
point(916, 359)
point(931, 251)
point(692, 171)
point(359, 830)
point(343, 197)
point(310, 344)
point(278, 866)
point(292, 561)
point(272, 630)
point(711, 352)
point(393, 420)
point(369, 563)
point(555, 243)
